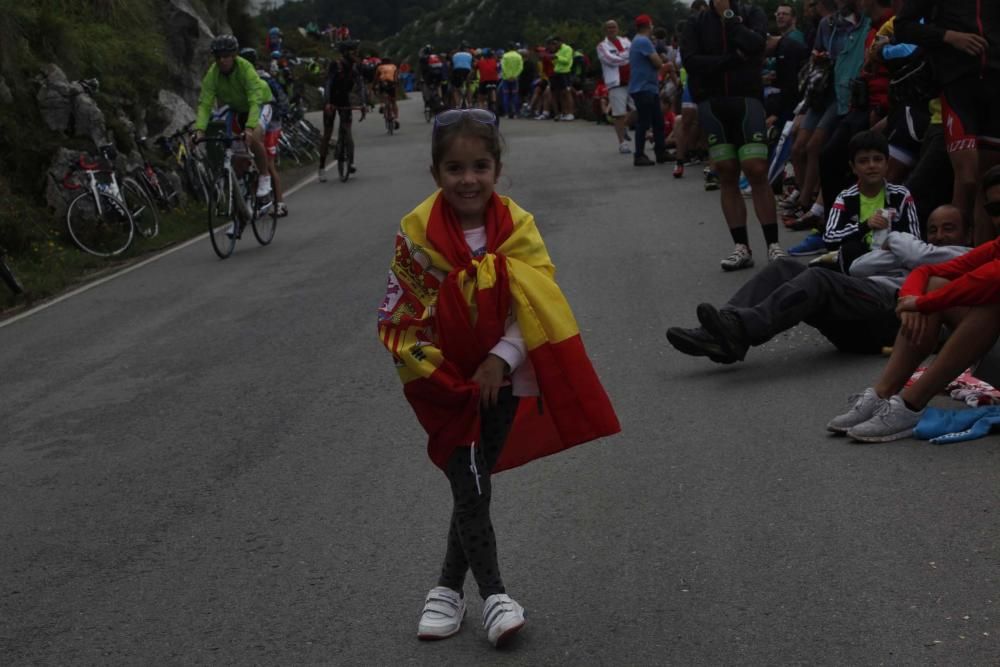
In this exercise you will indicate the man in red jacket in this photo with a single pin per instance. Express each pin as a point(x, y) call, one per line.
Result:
point(963, 294)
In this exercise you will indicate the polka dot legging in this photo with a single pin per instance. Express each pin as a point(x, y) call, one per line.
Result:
point(471, 540)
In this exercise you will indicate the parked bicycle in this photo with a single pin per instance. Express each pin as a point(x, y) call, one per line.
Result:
point(155, 181)
point(192, 168)
point(232, 193)
point(8, 277)
point(104, 218)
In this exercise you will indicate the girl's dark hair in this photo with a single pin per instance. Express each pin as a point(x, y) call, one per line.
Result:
point(443, 137)
point(869, 140)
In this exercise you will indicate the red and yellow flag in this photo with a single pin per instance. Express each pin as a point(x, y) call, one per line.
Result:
point(443, 312)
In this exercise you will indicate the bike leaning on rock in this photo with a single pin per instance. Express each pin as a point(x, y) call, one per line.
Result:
point(104, 218)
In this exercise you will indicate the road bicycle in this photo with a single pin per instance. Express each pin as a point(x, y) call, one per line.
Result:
point(8, 277)
point(232, 192)
point(104, 218)
point(155, 181)
point(191, 164)
point(344, 151)
point(388, 105)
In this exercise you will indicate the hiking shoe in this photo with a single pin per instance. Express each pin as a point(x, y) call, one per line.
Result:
point(697, 342)
point(775, 251)
point(892, 421)
point(810, 245)
point(322, 175)
point(442, 616)
point(727, 327)
point(863, 407)
point(282, 209)
point(641, 160)
point(679, 169)
point(502, 618)
point(740, 258)
point(624, 148)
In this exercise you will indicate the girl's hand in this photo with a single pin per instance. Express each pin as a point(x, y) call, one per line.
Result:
point(489, 376)
point(913, 326)
point(908, 304)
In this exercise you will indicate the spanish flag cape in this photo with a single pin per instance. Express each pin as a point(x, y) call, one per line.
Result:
point(445, 310)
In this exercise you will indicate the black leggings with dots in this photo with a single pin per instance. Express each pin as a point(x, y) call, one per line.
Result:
point(471, 541)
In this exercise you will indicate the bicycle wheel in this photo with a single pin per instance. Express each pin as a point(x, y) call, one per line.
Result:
point(10, 279)
point(265, 223)
point(203, 182)
point(104, 230)
point(223, 222)
point(167, 192)
point(389, 123)
point(141, 206)
point(343, 158)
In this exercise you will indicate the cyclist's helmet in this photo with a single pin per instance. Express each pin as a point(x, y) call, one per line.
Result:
point(249, 54)
point(274, 32)
point(224, 45)
point(485, 53)
point(275, 55)
point(348, 45)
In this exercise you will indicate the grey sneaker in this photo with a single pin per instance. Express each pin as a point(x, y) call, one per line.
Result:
point(775, 251)
point(442, 616)
point(891, 421)
point(863, 407)
point(740, 258)
point(502, 618)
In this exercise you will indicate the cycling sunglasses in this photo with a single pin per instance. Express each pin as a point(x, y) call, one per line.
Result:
point(452, 116)
point(993, 208)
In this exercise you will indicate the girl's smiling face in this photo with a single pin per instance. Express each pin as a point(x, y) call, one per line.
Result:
point(466, 175)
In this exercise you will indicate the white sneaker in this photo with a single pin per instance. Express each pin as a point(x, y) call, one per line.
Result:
point(863, 407)
point(567, 116)
point(502, 618)
point(892, 421)
point(740, 258)
point(775, 251)
point(442, 616)
point(543, 116)
point(263, 186)
point(625, 148)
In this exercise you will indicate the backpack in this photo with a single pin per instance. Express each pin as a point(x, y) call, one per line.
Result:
point(280, 100)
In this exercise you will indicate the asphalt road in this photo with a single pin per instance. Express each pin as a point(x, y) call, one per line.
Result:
point(211, 462)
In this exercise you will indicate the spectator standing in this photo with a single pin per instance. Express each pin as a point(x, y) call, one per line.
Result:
point(723, 51)
point(789, 51)
point(644, 64)
point(562, 65)
point(963, 38)
point(613, 52)
point(511, 66)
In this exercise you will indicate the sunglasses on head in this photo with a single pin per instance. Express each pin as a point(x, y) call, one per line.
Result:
point(993, 208)
point(452, 116)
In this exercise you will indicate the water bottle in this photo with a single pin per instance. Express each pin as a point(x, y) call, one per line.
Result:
point(880, 235)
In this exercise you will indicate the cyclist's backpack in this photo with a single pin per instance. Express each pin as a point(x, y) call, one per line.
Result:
point(280, 101)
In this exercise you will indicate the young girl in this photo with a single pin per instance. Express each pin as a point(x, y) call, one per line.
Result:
point(475, 321)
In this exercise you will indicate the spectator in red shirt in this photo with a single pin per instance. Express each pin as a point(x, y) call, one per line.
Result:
point(964, 295)
point(489, 79)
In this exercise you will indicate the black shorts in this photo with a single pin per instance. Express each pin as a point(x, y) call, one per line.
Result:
point(559, 82)
point(736, 127)
point(906, 126)
point(387, 88)
point(342, 104)
point(486, 86)
point(459, 77)
point(970, 113)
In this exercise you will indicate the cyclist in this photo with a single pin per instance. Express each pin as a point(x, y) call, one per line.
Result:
point(343, 76)
point(512, 65)
point(461, 66)
point(488, 70)
point(234, 82)
point(387, 78)
point(367, 68)
point(431, 77)
point(273, 134)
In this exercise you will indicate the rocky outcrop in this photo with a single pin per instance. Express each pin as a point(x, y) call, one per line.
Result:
point(177, 112)
point(55, 98)
point(189, 38)
point(6, 96)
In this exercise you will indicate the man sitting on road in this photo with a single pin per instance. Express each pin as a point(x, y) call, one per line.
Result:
point(855, 312)
point(962, 294)
point(234, 82)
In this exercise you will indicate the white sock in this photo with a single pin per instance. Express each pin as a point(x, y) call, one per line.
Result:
point(817, 210)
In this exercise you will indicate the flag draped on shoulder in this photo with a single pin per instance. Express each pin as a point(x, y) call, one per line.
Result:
point(443, 312)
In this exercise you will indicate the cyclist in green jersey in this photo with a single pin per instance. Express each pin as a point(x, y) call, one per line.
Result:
point(234, 82)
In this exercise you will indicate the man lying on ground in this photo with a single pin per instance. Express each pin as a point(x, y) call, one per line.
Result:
point(855, 312)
